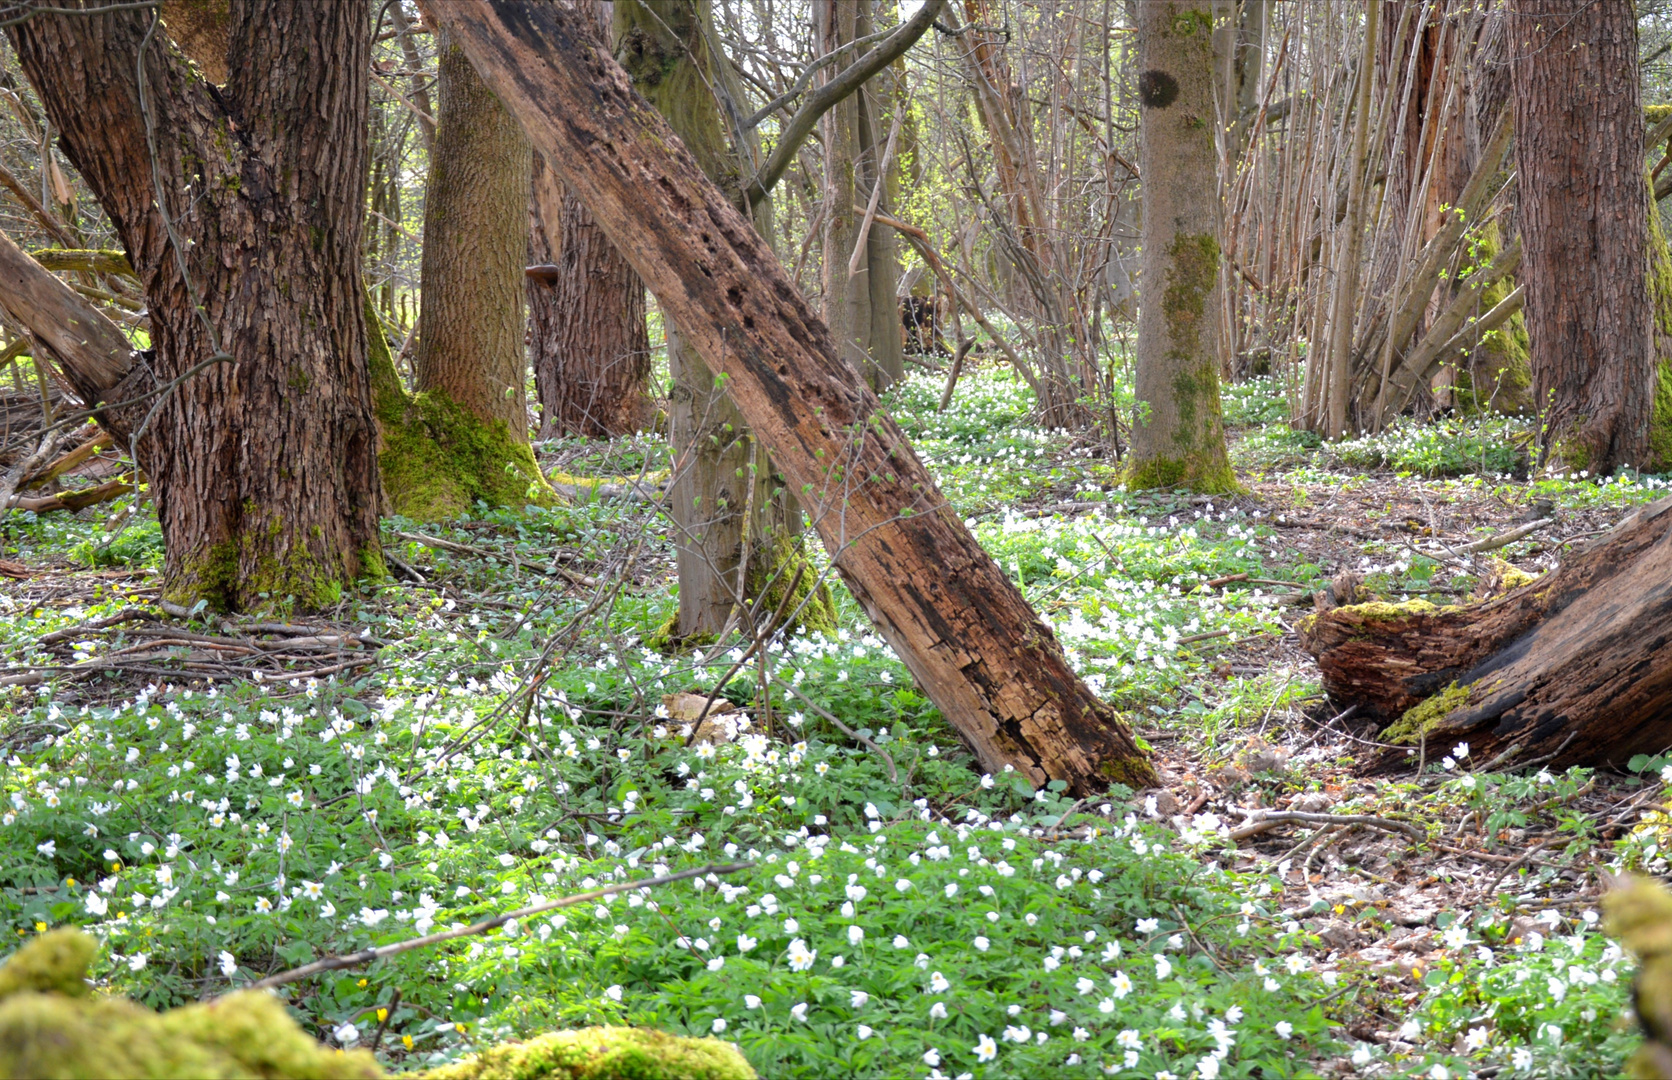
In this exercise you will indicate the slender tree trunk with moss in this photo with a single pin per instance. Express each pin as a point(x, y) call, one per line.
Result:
point(1579, 177)
point(722, 497)
point(861, 308)
point(1178, 437)
point(469, 369)
point(470, 331)
point(263, 461)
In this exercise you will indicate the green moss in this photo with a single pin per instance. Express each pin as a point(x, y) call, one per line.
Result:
point(1136, 773)
point(602, 1053)
point(1383, 610)
point(1420, 719)
point(436, 458)
point(811, 607)
point(53, 963)
point(51, 1028)
point(1197, 460)
point(1209, 477)
point(1499, 374)
point(1660, 295)
point(48, 1032)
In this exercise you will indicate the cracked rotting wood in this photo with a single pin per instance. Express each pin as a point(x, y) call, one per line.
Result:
point(902, 551)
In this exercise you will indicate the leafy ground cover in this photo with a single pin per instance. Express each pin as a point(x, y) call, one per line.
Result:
point(893, 910)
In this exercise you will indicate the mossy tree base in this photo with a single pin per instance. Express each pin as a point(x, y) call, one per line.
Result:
point(437, 459)
point(1575, 664)
point(1209, 476)
point(774, 569)
point(51, 1025)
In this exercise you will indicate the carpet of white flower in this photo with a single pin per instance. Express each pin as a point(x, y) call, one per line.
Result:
point(940, 923)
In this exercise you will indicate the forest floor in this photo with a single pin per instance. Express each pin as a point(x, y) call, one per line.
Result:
point(220, 800)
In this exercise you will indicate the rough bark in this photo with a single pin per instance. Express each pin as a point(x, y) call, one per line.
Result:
point(994, 669)
point(861, 309)
point(264, 466)
point(1583, 207)
point(470, 329)
point(587, 339)
point(721, 489)
point(1579, 659)
point(1178, 437)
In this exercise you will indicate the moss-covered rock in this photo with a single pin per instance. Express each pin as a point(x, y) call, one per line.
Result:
point(1640, 914)
point(437, 459)
point(602, 1053)
point(53, 1028)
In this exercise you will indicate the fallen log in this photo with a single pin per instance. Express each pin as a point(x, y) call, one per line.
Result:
point(979, 652)
point(1574, 666)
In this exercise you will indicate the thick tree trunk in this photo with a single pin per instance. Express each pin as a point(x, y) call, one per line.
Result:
point(861, 308)
point(587, 338)
point(1579, 165)
point(1178, 437)
point(470, 330)
point(1579, 660)
point(721, 493)
point(994, 669)
point(264, 465)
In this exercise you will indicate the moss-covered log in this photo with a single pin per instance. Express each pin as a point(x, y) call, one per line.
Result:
point(53, 1025)
point(1576, 663)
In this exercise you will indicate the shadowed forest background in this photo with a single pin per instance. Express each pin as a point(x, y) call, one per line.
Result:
point(1069, 537)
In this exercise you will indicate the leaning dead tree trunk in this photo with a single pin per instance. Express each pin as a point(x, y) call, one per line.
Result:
point(977, 649)
point(1577, 664)
point(90, 351)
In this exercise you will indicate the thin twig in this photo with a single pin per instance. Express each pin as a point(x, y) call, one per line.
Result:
point(1260, 821)
point(366, 956)
point(893, 773)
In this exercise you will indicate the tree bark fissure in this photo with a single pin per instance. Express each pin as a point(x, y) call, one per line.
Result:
point(966, 633)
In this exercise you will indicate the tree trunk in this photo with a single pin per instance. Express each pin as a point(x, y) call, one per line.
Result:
point(721, 492)
point(264, 465)
point(588, 342)
point(1579, 163)
point(861, 309)
point(994, 669)
point(1345, 303)
point(470, 330)
point(463, 437)
point(1178, 437)
point(1579, 660)
point(587, 339)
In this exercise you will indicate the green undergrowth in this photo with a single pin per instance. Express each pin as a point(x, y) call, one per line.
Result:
point(899, 911)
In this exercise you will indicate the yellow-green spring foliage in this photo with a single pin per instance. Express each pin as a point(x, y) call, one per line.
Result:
point(54, 1027)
